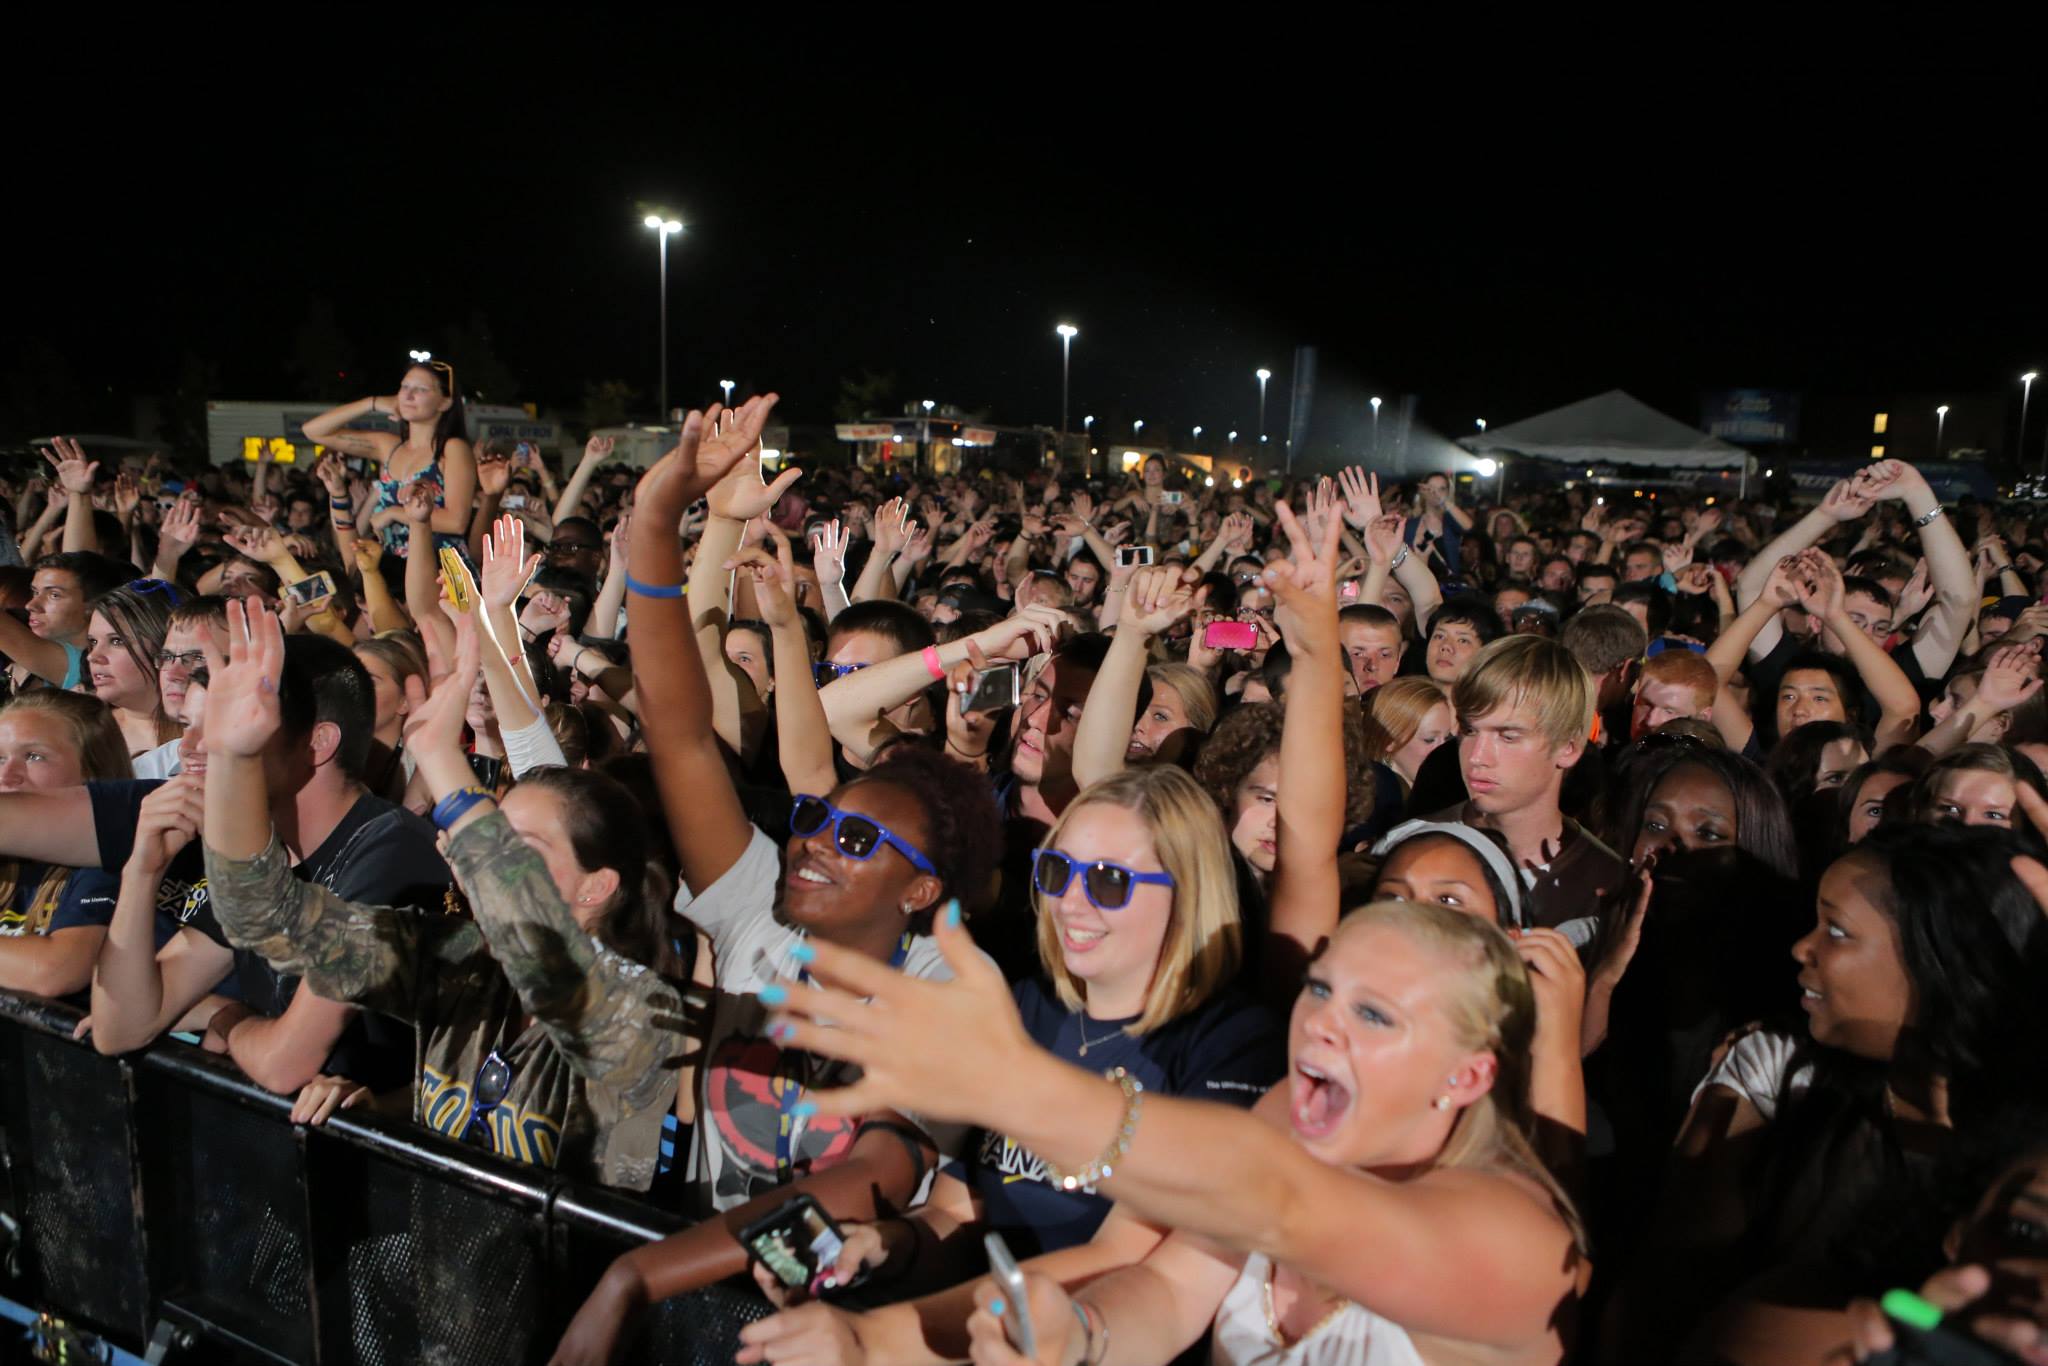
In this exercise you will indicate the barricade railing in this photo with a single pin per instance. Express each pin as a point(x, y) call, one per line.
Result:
point(166, 1204)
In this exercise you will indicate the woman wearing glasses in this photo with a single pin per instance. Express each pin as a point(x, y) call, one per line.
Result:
point(431, 445)
point(865, 866)
point(547, 1031)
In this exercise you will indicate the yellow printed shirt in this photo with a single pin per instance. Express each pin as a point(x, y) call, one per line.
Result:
point(594, 1071)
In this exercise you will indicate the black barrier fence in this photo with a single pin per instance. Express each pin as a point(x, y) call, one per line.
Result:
point(166, 1204)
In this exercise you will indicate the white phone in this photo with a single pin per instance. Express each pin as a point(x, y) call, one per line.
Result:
point(1016, 1309)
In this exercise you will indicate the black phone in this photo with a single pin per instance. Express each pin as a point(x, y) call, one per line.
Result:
point(1127, 555)
point(798, 1243)
point(995, 688)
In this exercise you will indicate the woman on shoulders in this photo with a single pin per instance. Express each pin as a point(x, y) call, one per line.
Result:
point(431, 445)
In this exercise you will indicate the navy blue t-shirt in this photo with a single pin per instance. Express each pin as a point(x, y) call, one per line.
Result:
point(181, 896)
point(1229, 1050)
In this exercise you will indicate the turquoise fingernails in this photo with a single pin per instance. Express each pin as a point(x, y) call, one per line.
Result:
point(953, 914)
point(804, 1109)
point(996, 1307)
point(782, 1032)
point(803, 952)
point(773, 995)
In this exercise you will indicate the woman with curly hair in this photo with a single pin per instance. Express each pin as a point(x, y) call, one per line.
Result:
point(1240, 770)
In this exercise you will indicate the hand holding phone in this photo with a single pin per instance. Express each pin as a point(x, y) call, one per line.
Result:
point(1230, 635)
point(995, 688)
point(1016, 1306)
point(1131, 556)
point(310, 590)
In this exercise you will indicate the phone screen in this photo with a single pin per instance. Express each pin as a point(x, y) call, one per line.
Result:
point(799, 1243)
point(320, 585)
point(1133, 554)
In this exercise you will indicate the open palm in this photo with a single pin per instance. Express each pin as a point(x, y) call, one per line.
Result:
point(242, 710)
point(686, 473)
point(1305, 583)
point(734, 444)
point(507, 568)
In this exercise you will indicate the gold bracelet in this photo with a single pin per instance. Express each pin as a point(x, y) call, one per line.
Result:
point(1102, 1168)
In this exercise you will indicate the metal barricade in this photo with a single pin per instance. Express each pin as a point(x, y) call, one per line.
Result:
point(164, 1200)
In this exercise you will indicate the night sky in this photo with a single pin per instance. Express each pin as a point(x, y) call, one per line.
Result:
point(1493, 244)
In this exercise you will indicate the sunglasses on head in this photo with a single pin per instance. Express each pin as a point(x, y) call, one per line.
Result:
point(857, 837)
point(1108, 886)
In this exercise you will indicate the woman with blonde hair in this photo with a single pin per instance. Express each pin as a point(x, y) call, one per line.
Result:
point(1176, 718)
point(391, 659)
point(1139, 935)
point(52, 919)
point(1411, 718)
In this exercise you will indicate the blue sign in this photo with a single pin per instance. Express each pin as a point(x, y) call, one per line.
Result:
point(1756, 417)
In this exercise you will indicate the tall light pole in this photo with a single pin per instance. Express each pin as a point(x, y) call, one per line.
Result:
point(1940, 422)
point(726, 385)
point(1264, 374)
point(1137, 429)
point(1067, 333)
point(1198, 431)
point(2026, 396)
point(1375, 428)
point(663, 229)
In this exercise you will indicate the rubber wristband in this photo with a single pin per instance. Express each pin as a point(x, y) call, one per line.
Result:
point(655, 590)
point(452, 807)
point(932, 665)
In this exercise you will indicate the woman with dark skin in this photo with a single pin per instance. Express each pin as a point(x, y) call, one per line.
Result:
point(761, 906)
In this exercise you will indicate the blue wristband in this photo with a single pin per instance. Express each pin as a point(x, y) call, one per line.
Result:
point(452, 807)
point(655, 590)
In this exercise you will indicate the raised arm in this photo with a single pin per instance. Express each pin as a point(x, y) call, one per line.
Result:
point(803, 738)
point(329, 429)
point(1305, 893)
point(596, 451)
point(611, 595)
point(710, 828)
point(75, 474)
point(890, 531)
point(1820, 590)
point(1154, 602)
point(737, 711)
point(1848, 500)
point(1954, 608)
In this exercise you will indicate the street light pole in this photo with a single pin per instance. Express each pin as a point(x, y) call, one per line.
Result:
point(663, 228)
point(1264, 375)
point(1940, 422)
point(726, 385)
point(1067, 333)
point(2026, 396)
point(1375, 429)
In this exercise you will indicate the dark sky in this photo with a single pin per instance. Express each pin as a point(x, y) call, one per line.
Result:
point(1495, 244)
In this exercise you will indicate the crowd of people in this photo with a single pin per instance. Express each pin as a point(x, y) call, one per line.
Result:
point(1325, 919)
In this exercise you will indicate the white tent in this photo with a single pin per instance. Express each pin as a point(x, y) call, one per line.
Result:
point(1611, 428)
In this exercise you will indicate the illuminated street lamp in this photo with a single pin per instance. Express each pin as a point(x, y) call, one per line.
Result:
point(2026, 396)
point(726, 385)
point(1137, 428)
point(1264, 374)
point(1198, 431)
point(1375, 428)
point(663, 229)
point(1482, 424)
point(1940, 421)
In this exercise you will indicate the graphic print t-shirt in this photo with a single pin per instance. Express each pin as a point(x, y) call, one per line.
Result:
point(1228, 1050)
point(748, 1081)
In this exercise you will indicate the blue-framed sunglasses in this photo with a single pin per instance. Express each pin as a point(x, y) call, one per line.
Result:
point(486, 1093)
point(1108, 886)
point(825, 671)
point(857, 837)
point(169, 590)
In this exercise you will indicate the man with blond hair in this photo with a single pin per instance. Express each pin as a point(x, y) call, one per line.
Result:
point(1525, 715)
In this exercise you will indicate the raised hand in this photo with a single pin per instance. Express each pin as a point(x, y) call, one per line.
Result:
point(1782, 586)
point(493, 475)
point(435, 720)
point(1082, 505)
point(1026, 632)
point(180, 529)
point(596, 451)
point(1595, 517)
point(1305, 584)
point(332, 471)
point(241, 699)
point(1383, 537)
point(260, 543)
point(919, 548)
point(891, 527)
point(774, 580)
point(1117, 533)
point(294, 615)
point(2012, 676)
point(416, 503)
point(369, 554)
point(1361, 496)
point(74, 472)
point(1918, 592)
point(1849, 499)
point(693, 468)
point(981, 533)
point(1695, 579)
point(828, 552)
point(1819, 584)
point(167, 821)
point(1157, 600)
point(127, 495)
point(736, 442)
point(1677, 555)
point(507, 568)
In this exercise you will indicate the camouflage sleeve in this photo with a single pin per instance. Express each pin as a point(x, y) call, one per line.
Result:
point(364, 955)
point(618, 1023)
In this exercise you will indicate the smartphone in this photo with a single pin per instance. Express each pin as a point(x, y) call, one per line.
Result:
point(513, 502)
point(1230, 635)
point(1016, 1309)
point(995, 688)
point(310, 590)
point(1127, 555)
point(524, 450)
point(1172, 497)
point(454, 573)
point(798, 1242)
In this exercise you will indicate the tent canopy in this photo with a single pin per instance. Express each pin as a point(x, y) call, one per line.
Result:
point(1611, 428)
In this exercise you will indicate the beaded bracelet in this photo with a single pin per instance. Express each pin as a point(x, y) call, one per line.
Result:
point(1101, 1169)
point(456, 804)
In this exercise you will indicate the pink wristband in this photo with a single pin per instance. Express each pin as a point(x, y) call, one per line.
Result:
point(931, 662)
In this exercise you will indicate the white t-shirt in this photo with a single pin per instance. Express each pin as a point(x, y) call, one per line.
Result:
point(161, 762)
point(1754, 1069)
point(743, 1084)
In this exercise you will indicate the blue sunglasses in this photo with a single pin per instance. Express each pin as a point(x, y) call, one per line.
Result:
point(857, 837)
point(825, 671)
point(1108, 886)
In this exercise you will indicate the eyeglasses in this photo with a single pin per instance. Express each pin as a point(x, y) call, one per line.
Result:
point(487, 1092)
point(191, 661)
point(1108, 886)
point(857, 837)
point(825, 671)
